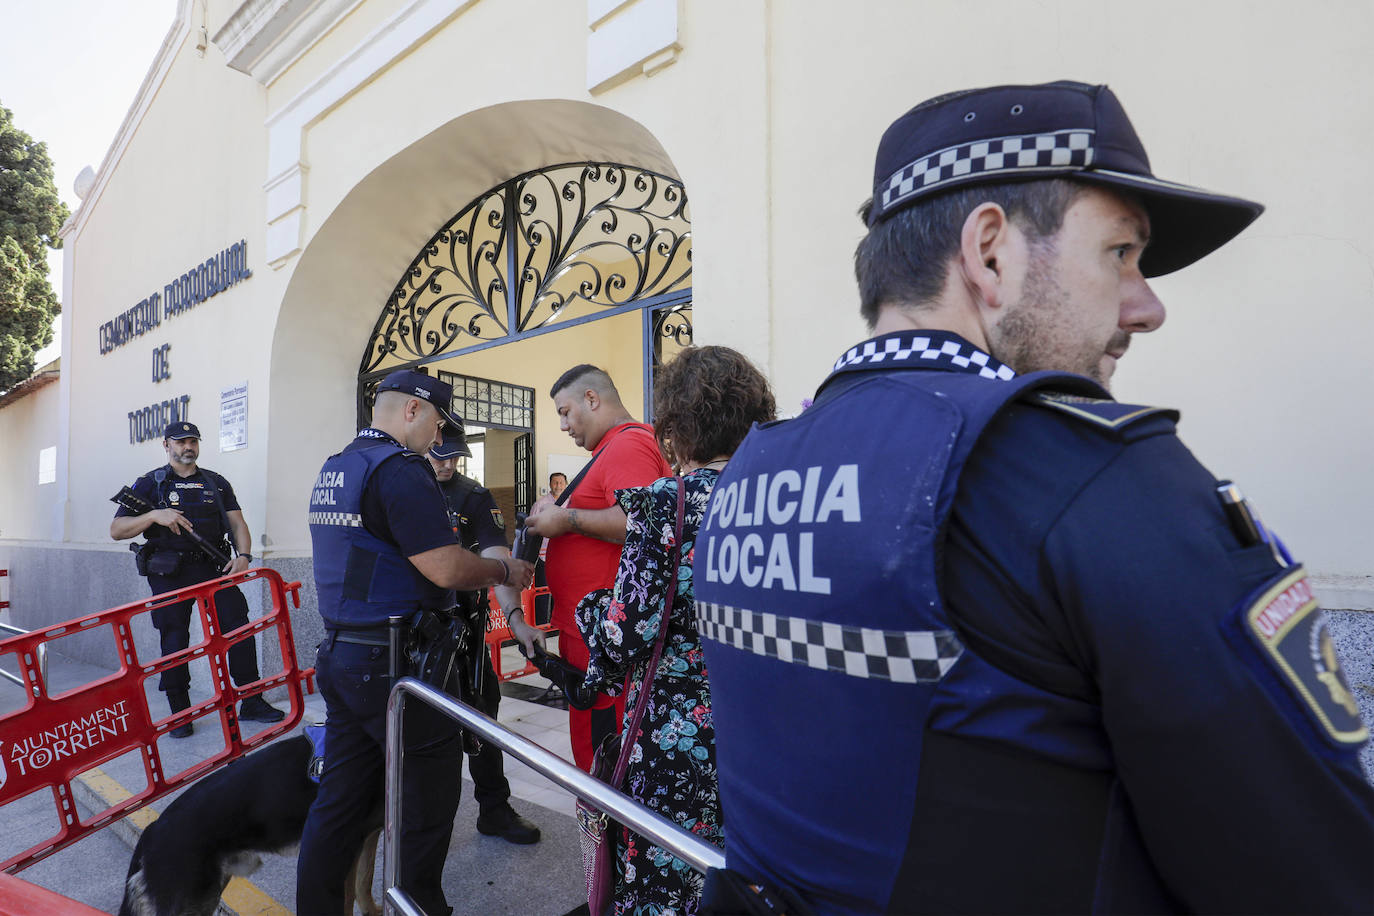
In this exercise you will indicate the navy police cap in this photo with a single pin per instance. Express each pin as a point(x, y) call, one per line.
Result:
point(455, 445)
point(181, 430)
point(1018, 133)
point(419, 385)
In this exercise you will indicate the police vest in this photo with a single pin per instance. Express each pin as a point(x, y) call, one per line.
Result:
point(820, 553)
point(360, 579)
point(194, 497)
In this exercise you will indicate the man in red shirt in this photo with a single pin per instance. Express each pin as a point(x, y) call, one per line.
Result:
point(586, 532)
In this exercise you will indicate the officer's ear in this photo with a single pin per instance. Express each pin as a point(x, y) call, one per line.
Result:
point(992, 254)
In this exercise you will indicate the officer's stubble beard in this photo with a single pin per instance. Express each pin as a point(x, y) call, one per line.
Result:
point(1039, 331)
point(178, 457)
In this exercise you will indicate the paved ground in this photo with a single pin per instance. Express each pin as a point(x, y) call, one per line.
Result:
point(484, 875)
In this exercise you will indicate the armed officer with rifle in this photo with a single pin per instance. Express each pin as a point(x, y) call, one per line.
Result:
point(384, 547)
point(190, 517)
point(478, 524)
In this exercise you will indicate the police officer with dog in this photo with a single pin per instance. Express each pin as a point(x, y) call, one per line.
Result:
point(383, 546)
point(982, 639)
point(194, 512)
point(480, 528)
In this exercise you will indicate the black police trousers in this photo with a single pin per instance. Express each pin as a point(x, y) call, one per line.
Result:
point(355, 682)
point(173, 624)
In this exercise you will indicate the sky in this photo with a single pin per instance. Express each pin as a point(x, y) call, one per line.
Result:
point(69, 70)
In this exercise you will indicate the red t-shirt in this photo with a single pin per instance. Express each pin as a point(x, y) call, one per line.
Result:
point(577, 564)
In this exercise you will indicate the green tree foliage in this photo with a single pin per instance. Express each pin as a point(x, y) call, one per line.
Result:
point(31, 213)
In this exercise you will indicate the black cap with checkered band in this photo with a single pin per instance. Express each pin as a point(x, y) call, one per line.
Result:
point(1020, 133)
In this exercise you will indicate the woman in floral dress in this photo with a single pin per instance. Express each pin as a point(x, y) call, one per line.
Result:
point(704, 403)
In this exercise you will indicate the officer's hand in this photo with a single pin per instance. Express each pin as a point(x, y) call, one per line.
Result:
point(549, 523)
point(526, 635)
point(173, 519)
point(236, 565)
point(521, 573)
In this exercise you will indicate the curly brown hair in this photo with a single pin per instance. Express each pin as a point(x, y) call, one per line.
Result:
point(705, 401)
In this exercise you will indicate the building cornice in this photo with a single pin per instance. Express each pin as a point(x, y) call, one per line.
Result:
point(264, 37)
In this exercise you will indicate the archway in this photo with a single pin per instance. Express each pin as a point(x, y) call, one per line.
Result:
point(349, 268)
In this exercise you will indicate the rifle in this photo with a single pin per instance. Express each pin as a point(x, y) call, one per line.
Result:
point(137, 504)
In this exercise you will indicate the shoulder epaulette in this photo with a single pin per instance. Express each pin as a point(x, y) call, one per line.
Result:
point(1102, 412)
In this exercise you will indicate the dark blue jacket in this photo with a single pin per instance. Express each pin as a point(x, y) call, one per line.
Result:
point(987, 644)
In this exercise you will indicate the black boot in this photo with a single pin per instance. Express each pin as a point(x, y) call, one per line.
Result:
point(256, 709)
point(501, 820)
point(179, 700)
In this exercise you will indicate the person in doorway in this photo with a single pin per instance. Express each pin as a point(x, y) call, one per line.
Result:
point(984, 640)
point(190, 498)
point(558, 482)
point(585, 533)
point(383, 545)
point(477, 522)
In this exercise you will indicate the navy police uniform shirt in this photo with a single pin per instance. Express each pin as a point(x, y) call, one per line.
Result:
point(473, 513)
point(399, 507)
point(988, 643)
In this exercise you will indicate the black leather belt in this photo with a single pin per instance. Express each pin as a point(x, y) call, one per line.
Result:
point(361, 637)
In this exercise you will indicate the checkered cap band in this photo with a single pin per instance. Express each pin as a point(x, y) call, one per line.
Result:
point(1062, 149)
point(920, 348)
point(900, 656)
point(347, 519)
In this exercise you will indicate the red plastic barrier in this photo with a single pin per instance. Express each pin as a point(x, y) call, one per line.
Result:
point(52, 740)
point(20, 898)
point(498, 633)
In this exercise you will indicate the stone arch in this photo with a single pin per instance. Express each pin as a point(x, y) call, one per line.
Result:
point(350, 265)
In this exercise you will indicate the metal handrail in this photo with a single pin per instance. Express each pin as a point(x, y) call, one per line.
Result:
point(42, 657)
point(648, 823)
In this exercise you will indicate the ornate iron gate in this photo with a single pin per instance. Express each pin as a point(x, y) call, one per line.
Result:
point(546, 250)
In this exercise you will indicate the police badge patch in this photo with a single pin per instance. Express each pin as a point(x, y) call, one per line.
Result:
point(498, 518)
point(1291, 629)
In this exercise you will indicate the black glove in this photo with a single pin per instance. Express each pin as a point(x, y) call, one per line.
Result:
point(564, 675)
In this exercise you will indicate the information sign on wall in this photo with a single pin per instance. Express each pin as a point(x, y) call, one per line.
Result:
point(233, 417)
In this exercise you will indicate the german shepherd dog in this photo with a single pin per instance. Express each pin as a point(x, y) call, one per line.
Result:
point(219, 825)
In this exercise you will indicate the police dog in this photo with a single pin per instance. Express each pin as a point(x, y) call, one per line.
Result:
point(219, 825)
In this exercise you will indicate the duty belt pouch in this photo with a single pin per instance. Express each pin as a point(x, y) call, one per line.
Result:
point(439, 642)
point(165, 563)
point(142, 553)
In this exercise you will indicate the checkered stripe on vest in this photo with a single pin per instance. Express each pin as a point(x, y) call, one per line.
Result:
point(920, 348)
point(347, 519)
point(901, 656)
point(1010, 155)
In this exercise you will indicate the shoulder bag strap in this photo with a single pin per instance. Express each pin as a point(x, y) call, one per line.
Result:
point(632, 730)
point(568, 490)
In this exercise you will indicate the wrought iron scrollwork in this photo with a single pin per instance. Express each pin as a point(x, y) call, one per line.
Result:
point(598, 234)
point(606, 234)
point(672, 325)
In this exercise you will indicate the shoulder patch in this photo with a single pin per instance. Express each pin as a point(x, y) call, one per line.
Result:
point(1291, 631)
point(498, 518)
point(1102, 412)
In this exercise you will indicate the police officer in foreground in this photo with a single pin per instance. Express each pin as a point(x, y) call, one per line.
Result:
point(188, 498)
point(477, 522)
point(383, 546)
point(981, 639)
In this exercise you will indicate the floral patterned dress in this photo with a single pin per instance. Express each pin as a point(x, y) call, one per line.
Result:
point(672, 767)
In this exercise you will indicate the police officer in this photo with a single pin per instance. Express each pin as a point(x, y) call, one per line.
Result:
point(478, 524)
point(1009, 648)
point(383, 546)
point(191, 498)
